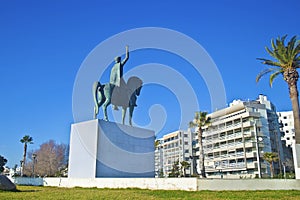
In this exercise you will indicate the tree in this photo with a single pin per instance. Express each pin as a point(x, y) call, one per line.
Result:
point(287, 60)
point(184, 165)
point(51, 159)
point(25, 140)
point(289, 163)
point(175, 172)
point(201, 120)
point(161, 173)
point(271, 157)
point(156, 143)
point(3, 161)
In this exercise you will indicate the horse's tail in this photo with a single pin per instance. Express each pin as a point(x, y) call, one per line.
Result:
point(95, 89)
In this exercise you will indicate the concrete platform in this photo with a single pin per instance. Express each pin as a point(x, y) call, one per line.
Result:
point(106, 149)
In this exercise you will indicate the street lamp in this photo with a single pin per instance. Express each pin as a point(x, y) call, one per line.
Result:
point(33, 157)
point(220, 171)
point(284, 171)
point(21, 168)
point(257, 140)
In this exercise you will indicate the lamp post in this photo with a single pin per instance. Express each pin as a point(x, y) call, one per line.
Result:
point(21, 168)
point(33, 157)
point(220, 171)
point(284, 172)
point(257, 150)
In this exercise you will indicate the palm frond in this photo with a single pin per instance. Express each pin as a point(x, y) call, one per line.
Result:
point(285, 56)
point(264, 72)
point(279, 50)
point(269, 62)
point(192, 124)
point(274, 75)
point(270, 51)
point(200, 120)
point(291, 45)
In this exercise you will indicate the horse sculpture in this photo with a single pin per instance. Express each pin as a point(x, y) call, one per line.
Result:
point(124, 96)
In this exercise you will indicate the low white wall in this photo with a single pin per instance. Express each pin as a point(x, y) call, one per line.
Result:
point(28, 181)
point(189, 184)
point(249, 184)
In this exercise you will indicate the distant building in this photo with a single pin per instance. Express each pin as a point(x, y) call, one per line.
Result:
point(159, 158)
point(233, 144)
point(286, 119)
point(175, 146)
point(238, 136)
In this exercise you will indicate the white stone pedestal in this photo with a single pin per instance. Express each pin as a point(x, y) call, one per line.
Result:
point(296, 156)
point(106, 149)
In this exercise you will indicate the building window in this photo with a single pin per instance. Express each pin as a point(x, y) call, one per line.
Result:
point(287, 131)
point(284, 117)
point(287, 138)
point(285, 124)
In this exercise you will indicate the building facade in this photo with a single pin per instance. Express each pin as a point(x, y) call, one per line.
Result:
point(173, 147)
point(286, 119)
point(234, 142)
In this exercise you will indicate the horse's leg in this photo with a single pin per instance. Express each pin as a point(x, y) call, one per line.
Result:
point(131, 108)
point(123, 114)
point(104, 107)
point(99, 103)
point(96, 111)
point(107, 91)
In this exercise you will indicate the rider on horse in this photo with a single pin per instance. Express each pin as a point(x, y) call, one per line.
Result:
point(116, 77)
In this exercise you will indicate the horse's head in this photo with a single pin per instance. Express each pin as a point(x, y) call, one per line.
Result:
point(135, 84)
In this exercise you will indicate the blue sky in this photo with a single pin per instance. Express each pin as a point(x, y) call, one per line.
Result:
point(43, 44)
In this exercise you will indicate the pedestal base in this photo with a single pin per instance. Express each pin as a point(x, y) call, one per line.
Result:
point(296, 156)
point(106, 149)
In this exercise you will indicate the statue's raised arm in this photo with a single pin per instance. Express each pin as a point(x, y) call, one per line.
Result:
point(126, 56)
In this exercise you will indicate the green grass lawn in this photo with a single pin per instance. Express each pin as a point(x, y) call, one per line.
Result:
point(36, 193)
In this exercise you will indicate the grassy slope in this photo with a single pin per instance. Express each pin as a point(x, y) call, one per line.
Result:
point(33, 192)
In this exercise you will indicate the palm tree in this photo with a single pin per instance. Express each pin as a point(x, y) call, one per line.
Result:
point(287, 60)
point(184, 165)
point(271, 157)
point(26, 140)
point(201, 119)
point(156, 143)
point(175, 169)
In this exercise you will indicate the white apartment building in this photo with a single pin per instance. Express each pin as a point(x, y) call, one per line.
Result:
point(286, 119)
point(238, 136)
point(172, 147)
point(158, 155)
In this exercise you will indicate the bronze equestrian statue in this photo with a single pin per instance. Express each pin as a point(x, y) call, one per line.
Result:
point(117, 92)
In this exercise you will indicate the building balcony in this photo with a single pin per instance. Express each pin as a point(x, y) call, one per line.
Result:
point(251, 155)
point(186, 155)
point(237, 135)
point(254, 164)
point(249, 144)
point(225, 167)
